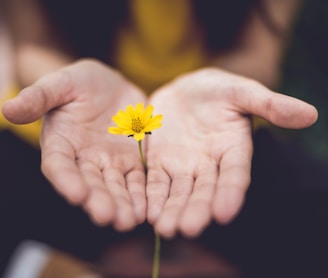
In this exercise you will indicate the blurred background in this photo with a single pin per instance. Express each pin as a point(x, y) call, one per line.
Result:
point(281, 231)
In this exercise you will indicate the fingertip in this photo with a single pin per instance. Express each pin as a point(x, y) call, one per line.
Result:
point(155, 204)
point(289, 112)
point(192, 225)
point(26, 107)
point(191, 231)
point(227, 204)
point(99, 220)
point(166, 228)
point(140, 210)
point(125, 225)
point(140, 218)
point(77, 195)
point(100, 207)
point(125, 218)
point(305, 116)
point(153, 213)
point(9, 111)
point(313, 115)
point(75, 192)
point(167, 236)
point(69, 183)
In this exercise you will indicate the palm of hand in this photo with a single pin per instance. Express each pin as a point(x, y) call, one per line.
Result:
point(101, 172)
point(199, 161)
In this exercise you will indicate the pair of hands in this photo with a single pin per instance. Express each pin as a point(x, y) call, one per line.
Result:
point(199, 161)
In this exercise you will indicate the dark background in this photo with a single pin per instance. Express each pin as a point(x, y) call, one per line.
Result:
point(282, 229)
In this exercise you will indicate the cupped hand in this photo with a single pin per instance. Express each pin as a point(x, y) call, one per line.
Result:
point(85, 164)
point(199, 162)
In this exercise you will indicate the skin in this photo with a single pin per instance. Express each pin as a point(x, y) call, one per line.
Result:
point(199, 161)
point(100, 172)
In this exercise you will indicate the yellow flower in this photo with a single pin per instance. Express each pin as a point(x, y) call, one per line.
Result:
point(136, 122)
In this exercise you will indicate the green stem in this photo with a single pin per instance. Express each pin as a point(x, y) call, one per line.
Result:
point(157, 250)
point(156, 256)
point(142, 156)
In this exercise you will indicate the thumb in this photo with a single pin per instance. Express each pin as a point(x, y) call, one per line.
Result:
point(33, 102)
point(279, 109)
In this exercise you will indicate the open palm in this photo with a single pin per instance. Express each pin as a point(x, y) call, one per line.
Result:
point(85, 164)
point(200, 160)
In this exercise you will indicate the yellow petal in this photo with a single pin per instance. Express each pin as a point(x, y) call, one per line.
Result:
point(122, 114)
point(128, 132)
point(114, 130)
point(139, 108)
point(139, 136)
point(130, 110)
point(154, 123)
point(122, 122)
point(147, 114)
point(156, 118)
point(152, 127)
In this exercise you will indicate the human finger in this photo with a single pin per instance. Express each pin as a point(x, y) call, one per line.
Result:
point(197, 213)
point(136, 185)
point(279, 109)
point(99, 204)
point(234, 179)
point(125, 218)
point(180, 190)
point(34, 101)
point(157, 192)
point(58, 165)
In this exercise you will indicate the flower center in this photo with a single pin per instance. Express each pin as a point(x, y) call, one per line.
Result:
point(137, 125)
